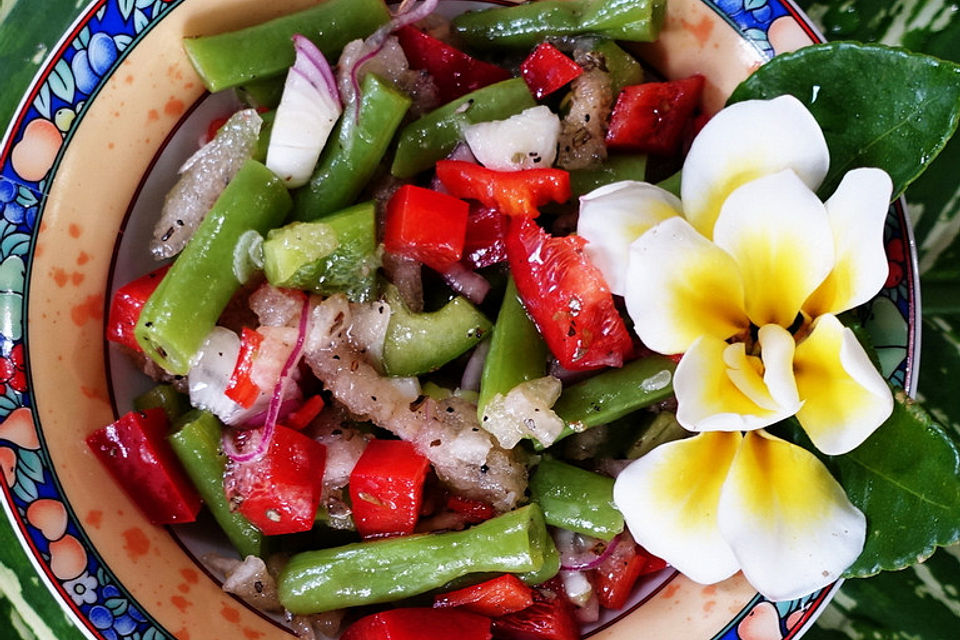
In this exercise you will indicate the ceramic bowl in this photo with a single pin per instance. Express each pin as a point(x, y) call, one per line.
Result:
point(90, 152)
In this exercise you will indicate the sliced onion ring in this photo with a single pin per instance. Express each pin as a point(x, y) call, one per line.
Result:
point(579, 552)
point(273, 412)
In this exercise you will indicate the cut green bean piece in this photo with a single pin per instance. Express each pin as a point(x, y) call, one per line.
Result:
point(196, 441)
point(672, 184)
point(163, 396)
point(663, 428)
point(432, 137)
point(356, 148)
point(517, 351)
point(264, 50)
point(623, 68)
point(385, 570)
point(332, 255)
point(185, 307)
point(613, 169)
point(263, 140)
point(526, 25)
point(576, 499)
point(422, 342)
point(615, 393)
point(265, 93)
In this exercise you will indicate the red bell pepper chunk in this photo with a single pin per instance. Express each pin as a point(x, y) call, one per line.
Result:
point(420, 623)
point(499, 596)
point(616, 576)
point(473, 511)
point(241, 388)
point(652, 117)
point(567, 298)
point(305, 414)
point(135, 451)
point(280, 492)
point(426, 225)
point(513, 193)
point(386, 488)
point(486, 241)
point(454, 72)
point(550, 617)
point(546, 69)
point(126, 305)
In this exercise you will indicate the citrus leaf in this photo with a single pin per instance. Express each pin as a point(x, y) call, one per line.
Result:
point(898, 120)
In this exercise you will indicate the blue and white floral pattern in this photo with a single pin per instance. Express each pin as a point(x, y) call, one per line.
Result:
point(69, 80)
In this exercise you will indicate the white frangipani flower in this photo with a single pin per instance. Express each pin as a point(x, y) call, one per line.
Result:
point(745, 278)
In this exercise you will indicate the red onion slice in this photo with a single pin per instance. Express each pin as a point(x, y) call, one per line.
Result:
point(273, 412)
point(318, 71)
point(579, 552)
point(467, 283)
point(407, 13)
point(470, 381)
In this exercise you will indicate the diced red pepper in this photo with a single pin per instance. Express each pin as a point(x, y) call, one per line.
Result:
point(473, 511)
point(513, 193)
point(426, 225)
point(420, 623)
point(546, 69)
point(567, 298)
point(499, 596)
point(241, 388)
point(305, 414)
point(550, 617)
point(280, 492)
point(616, 576)
point(454, 72)
point(386, 488)
point(126, 305)
point(135, 451)
point(486, 241)
point(652, 117)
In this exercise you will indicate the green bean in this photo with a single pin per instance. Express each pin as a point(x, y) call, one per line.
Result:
point(526, 25)
point(623, 68)
point(517, 351)
point(356, 148)
point(163, 396)
point(265, 93)
point(615, 393)
point(331, 255)
point(264, 50)
point(421, 342)
point(185, 307)
point(613, 169)
point(384, 570)
point(576, 499)
point(433, 136)
point(196, 441)
point(672, 184)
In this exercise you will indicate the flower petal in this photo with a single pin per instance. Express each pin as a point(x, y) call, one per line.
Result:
point(669, 501)
point(615, 215)
point(857, 212)
point(681, 286)
point(746, 141)
point(717, 390)
point(777, 348)
point(845, 397)
point(778, 232)
point(789, 523)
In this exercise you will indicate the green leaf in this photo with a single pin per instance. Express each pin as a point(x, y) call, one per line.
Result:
point(920, 602)
point(898, 118)
point(906, 480)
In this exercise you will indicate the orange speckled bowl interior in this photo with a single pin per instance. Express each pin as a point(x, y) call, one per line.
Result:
point(88, 168)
